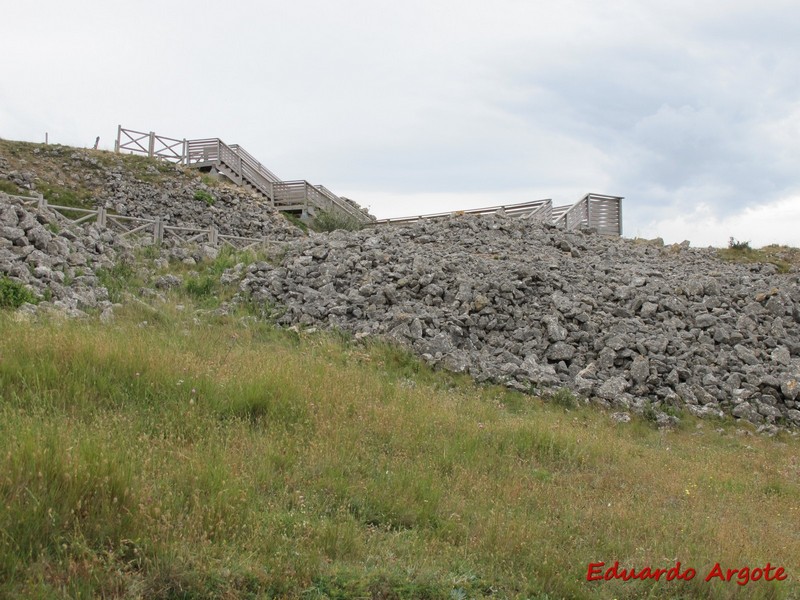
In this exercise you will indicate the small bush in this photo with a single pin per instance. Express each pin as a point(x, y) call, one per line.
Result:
point(204, 196)
point(733, 244)
point(13, 294)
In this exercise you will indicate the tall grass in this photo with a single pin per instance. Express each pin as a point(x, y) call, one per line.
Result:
point(210, 459)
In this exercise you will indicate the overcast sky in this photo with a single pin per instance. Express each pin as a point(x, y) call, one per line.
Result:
point(690, 110)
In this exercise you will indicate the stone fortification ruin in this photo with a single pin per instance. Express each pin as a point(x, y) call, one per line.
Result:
point(633, 325)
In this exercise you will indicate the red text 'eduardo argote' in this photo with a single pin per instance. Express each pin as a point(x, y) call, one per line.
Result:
point(742, 576)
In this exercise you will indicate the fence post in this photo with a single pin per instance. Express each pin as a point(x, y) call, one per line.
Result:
point(152, 145)
point(158, 231)
point(589, 212)
point(185, 157)
point(101, 217)
point(212, 236)
point(118, 142)
point(42, 204)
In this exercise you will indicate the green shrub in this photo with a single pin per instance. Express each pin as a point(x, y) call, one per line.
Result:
point(204, 196)
point(733, 244)
point(13, 294)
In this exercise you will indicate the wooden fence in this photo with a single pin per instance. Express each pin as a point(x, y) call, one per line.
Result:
point(602, 212)
point(238, 165)
point(154, 146)
point(155, 229)
point(537, 210)
point(303, 196)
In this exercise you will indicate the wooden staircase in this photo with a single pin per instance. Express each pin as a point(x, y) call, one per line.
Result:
point(236, 164)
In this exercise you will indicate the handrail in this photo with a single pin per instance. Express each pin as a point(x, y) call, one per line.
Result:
point(343, 204)
point(238, 164)
point(513, 209)
point(264, 171)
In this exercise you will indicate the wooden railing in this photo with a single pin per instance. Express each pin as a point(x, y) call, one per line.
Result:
point(537, 210)
point(301, 195)
point(241, 167)
point(602, 212)
point(156, 229)
point(344, 205)
point(155, 146)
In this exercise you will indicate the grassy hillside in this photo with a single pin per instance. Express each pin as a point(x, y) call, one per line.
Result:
point(172, 456)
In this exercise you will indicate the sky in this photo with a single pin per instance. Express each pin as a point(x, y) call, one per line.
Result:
point(690, 110)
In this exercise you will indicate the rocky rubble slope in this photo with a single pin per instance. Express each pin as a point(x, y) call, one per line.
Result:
point(56, 261)
point(631, 325)
point(137, 187)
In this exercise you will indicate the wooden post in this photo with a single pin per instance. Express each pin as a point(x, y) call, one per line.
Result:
point(158, 231)
point(185, 158)
point(45, 138)
point(42, 204)
point(119, 139)
point(212, 236)
point(619, 214)
point(589, 212)
point(101, 217)
point(152, 144)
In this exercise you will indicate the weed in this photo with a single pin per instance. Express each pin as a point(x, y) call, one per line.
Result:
point(296, 221)
point(14, 294)
point(201, 287)
point(564, 397)
point(204, 196)
point(330, 221)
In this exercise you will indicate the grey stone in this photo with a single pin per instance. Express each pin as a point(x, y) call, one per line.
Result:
point(612, 388)
point(640, 369)
point(560, 351)
point(166, 282)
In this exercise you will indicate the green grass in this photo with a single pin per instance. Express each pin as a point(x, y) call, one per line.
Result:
point(329, 221)
point(296, 221)
point(783, 257)
point(209, 459)
point(12, 188)
point(76, 197)
point(204, 196)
